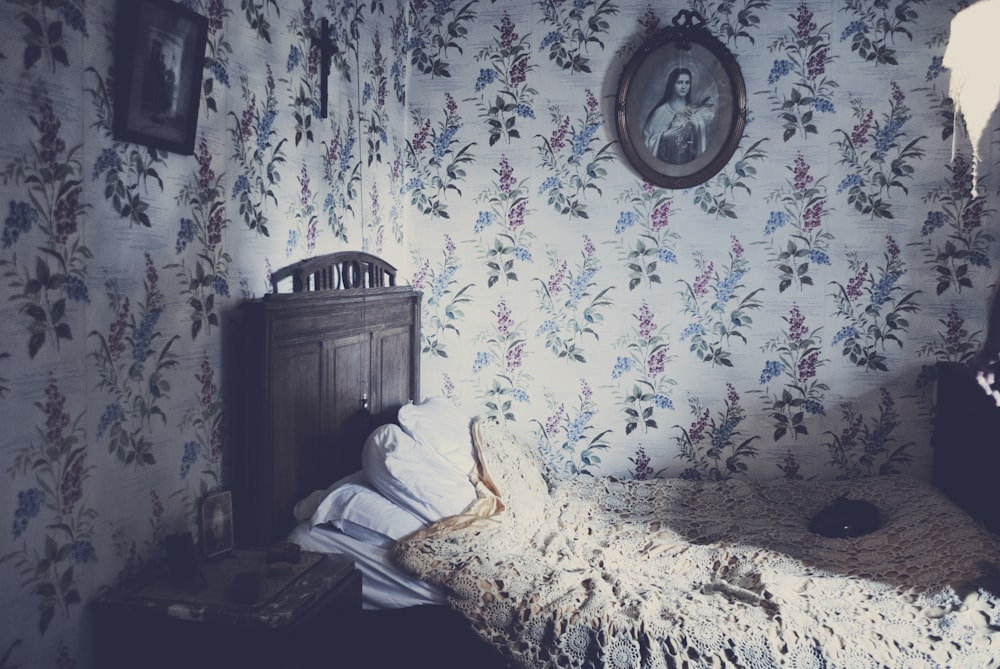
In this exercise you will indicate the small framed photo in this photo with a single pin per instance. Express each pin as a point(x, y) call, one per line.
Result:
point(217, 523)
point(159, 57)
point(681, 105)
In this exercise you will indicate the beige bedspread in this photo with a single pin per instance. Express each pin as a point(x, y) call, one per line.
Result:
point(609, 573)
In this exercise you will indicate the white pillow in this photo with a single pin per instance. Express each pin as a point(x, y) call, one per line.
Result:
point(306, 507)
point(413, 476)
point(439, 424)
point(361, 512)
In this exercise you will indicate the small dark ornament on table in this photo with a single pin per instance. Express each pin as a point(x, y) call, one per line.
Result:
point(182, 560)
point(246, 587)
point(846, 518)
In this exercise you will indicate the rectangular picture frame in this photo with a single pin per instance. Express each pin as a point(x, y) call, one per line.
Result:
point(159, 58)
point(217, 524)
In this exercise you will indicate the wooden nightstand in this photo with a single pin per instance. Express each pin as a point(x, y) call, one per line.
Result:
point(296, 622)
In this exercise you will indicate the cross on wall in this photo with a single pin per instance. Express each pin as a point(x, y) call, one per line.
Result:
point(327, 50)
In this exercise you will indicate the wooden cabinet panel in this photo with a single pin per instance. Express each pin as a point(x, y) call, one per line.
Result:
point(391, 376)
point(295, 410)
point(347, 377)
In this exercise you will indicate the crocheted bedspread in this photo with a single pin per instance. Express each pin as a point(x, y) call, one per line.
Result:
point(600, 572)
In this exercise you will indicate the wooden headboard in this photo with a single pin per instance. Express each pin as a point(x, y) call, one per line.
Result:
point(313, 372)
point(336, 271)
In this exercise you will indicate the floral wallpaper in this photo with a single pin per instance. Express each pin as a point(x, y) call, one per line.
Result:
point(782, 318)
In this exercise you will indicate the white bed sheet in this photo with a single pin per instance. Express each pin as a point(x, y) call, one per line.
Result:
point(383, 584)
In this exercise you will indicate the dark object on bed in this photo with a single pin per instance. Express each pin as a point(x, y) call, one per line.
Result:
point(313, 372)
point(966, 443)
point(845, 517)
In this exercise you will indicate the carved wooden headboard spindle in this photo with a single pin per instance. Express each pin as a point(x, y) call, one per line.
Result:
point(342, 270)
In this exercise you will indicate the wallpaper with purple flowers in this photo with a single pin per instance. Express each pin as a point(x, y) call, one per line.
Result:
point(780, 319)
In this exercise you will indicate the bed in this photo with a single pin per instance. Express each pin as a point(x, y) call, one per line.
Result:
point(601, 572)
point(472, 554)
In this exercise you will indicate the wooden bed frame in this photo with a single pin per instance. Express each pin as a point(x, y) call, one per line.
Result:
point(314, 370)
point(311, 373)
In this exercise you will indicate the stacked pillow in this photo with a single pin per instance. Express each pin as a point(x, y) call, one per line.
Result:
point(424, 463)
point(361, 512)
point(412, 474)
point(437, 424)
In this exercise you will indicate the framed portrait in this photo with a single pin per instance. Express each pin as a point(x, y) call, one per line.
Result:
point(217, 523)
point(159, 57)
point(681, 103)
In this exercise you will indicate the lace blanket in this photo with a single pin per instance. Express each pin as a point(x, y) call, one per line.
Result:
point(600, 572)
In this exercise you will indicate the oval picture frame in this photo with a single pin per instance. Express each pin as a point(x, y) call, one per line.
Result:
point(670, 144)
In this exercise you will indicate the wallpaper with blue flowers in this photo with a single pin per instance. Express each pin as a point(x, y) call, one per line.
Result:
point(780, 319)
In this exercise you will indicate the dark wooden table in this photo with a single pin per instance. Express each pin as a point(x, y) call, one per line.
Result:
point(299, 619)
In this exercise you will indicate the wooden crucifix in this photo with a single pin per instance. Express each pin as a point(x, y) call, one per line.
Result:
point(327, 50)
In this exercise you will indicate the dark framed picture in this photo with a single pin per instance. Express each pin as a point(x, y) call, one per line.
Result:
point(159, 56)
point(217, 523)
point(681, 105)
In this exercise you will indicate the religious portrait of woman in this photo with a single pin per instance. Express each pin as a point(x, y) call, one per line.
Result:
point(678, 127)
point(680, 106)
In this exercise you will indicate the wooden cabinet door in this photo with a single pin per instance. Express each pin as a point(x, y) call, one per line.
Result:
point(295, 422)
point(392, 379)
point(347, 381)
